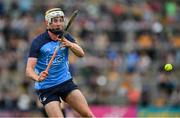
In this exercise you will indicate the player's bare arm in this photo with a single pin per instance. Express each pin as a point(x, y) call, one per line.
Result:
point(30, 70)
point(75, 48)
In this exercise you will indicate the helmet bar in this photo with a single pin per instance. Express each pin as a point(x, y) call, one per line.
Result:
point(56, 12)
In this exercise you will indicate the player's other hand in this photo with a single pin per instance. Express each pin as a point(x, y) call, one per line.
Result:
point(42, 76)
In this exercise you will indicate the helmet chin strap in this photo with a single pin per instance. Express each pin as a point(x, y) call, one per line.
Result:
point(56, 32)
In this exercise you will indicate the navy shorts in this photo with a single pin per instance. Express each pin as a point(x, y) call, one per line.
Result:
point(56, 92)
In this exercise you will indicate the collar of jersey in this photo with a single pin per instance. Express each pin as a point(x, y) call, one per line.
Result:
point(48, 37)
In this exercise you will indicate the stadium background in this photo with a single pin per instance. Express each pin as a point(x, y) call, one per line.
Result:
point(127, 42)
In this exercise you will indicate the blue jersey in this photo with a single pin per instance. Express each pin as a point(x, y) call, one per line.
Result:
point(43, 48)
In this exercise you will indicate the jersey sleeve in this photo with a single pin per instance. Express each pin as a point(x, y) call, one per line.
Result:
point(70, 37)
point(34, 49)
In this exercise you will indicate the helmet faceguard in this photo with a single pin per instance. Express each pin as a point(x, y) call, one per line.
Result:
point(52, 13)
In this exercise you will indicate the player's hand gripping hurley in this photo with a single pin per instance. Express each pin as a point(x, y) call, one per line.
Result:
point(45, 73)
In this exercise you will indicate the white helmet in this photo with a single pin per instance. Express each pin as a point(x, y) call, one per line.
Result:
point(55, 12)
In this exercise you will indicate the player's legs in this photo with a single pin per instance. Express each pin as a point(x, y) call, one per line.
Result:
point(78, 102)
point(53, 109)
point(50, 101)
point(63, 108)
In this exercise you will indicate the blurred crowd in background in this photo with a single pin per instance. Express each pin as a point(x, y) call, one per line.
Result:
point(127, 43)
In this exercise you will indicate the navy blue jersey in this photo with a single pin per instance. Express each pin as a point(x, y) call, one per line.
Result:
point(43, 48)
